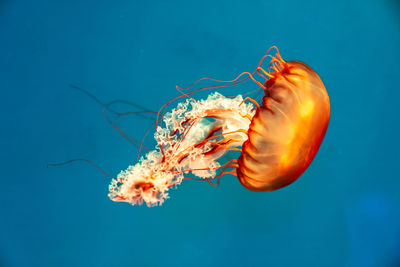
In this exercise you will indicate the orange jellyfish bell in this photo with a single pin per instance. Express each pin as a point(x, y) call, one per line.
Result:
point(286, 130)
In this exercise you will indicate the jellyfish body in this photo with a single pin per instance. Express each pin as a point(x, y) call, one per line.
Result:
point(287, 129)
point(277, 140)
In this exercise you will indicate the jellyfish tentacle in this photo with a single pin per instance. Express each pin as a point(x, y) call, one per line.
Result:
point(248, 116)
point(81, 159)
point(251, 100)
point(231, 164)
point(269, 75)
point(117, 128)
point(234, 164)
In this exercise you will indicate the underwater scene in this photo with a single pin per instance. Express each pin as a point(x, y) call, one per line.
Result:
point(200, 133)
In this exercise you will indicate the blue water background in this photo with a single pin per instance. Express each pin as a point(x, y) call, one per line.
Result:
point(345, 209)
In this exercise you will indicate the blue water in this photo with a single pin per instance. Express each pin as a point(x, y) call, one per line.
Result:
point(345, 209)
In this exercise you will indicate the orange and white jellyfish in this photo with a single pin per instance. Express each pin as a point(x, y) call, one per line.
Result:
point(277, 138)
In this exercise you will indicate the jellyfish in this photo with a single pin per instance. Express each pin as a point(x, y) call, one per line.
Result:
point(276, 138)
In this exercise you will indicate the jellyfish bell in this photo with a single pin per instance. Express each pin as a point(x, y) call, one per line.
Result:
point(277, 138)
point(287, 130)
